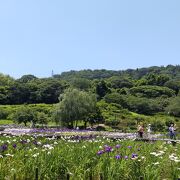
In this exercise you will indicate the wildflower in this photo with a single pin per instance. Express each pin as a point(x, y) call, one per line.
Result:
point(4, 147)
point(1, 156)
point(129, 147)
point(153, 153)
point(39, 143)
point(14, 146)
point(108, 149)
point(100, 152)
point(10, 155)
point(134, 155)
point(35, 155)
point(177, 160)
point(156, 163)
point(117, 156)
point(125, 157)
point(118, 146)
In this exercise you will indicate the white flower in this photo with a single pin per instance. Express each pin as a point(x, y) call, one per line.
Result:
point(1, 156)
point(156, 163)
point(10, 155)
point(161, 152)
point(177, 160)
point(35, 155)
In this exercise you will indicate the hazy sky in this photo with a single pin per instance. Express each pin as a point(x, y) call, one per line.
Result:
point(38, 36)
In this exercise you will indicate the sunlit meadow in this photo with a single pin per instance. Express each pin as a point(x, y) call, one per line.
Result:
point(92, 157)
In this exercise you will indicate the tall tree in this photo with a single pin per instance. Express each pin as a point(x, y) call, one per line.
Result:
point(74, 105)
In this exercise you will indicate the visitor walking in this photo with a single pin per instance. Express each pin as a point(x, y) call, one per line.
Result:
point(149, 130)
point(140, 131)
point(172, 131)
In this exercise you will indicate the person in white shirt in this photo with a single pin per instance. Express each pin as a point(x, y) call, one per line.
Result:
point(149, 131)
point(172, 131)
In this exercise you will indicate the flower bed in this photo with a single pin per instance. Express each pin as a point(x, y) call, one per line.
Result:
point(29, 157)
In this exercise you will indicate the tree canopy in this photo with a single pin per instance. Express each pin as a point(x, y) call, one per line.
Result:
point(75, 105)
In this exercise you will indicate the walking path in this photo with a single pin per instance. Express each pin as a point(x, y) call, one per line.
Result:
point(66, 132)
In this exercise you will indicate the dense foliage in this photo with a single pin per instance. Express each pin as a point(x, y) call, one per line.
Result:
point(146, 91)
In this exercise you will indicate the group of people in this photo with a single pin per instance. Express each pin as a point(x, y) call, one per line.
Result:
point(171, 130)
point(141, 129)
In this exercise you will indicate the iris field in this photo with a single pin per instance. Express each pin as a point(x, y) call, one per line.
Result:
point(94, 158)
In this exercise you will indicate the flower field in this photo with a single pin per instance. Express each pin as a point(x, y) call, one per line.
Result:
point(69, 157)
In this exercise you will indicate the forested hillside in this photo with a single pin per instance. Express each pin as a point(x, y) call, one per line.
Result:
point(146, 91)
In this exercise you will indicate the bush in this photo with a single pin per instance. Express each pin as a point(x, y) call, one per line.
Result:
point(3, 114)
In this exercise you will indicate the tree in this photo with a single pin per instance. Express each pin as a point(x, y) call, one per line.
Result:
point(25, 115)
point(49, 90)
point(42, 118)
point(74, 105)
point(114, 98)
point(5, 80)
point(173, 84)
point(81, 83)
point(120, 82)
point(174, 107)
point(141, 105)
point(27, 78)
point(93, 118)
point(151, 91)
point(102, 89)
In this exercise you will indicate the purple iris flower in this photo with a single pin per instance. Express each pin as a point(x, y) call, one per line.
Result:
point(35, 143)
point(14, 146)
point(134, 155)
point(118, 146)
point(100, 152)
point(125, 157)
point(4, 147)
point(117, 156)
point(108, 149)
point(129, 147)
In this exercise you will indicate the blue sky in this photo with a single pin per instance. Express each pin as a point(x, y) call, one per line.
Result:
point(38, 36)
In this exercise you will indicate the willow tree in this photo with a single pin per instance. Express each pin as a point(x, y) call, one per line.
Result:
point(74, 105)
